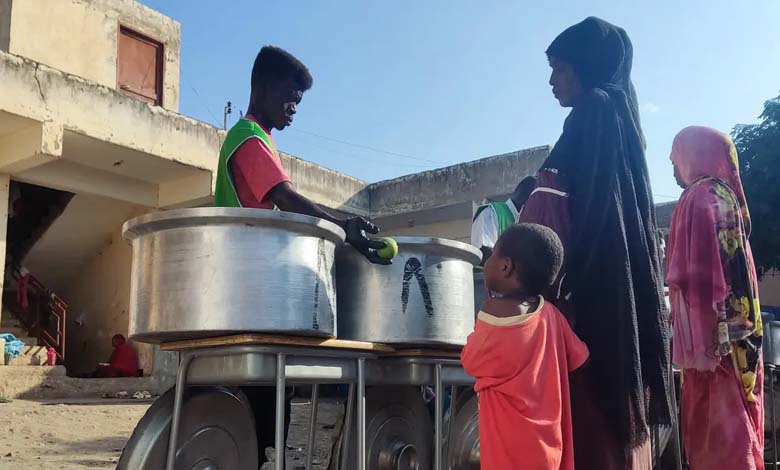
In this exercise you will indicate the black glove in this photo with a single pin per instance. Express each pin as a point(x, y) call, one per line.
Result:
point(356, 229)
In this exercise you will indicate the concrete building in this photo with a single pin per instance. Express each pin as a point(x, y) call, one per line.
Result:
point(93, 117)
point(95, 114)
point(440, 203)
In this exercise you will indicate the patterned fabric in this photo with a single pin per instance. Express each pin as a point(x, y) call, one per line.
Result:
point(721, 429)
point(715, 307)
point(711, 275)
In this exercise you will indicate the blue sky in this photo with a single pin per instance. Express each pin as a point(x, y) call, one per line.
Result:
point(442, 82)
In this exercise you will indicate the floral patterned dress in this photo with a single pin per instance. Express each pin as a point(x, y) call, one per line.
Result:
point(717, 329)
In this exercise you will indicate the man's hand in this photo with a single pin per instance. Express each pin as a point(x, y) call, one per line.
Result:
point(357, 229)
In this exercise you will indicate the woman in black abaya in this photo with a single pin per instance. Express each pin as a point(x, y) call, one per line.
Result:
point(594, 191)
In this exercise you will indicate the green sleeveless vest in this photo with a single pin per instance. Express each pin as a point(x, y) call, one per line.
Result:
point(505, 217)
point(225, 193)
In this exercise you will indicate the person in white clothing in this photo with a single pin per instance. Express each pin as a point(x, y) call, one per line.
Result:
point(491, 219)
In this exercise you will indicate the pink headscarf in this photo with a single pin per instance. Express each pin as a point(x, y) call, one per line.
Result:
point(700, 152)
point(706, 161)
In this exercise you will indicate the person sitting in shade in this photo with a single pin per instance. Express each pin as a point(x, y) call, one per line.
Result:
point(123, 362)
point(493, 218)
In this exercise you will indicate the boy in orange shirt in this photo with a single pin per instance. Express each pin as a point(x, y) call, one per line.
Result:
point(521, 352)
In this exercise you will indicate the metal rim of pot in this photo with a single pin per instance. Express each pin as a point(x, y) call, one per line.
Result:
point(441, 247)
point(213, 216)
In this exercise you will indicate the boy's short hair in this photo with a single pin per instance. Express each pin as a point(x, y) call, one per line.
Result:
point(537, 251)
point(274, 63)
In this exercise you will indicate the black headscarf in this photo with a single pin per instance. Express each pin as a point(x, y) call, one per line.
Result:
point(613, 267)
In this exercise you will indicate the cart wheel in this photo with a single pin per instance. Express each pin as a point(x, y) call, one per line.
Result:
point(217, 432)
point(463, 446)
point(399, 432)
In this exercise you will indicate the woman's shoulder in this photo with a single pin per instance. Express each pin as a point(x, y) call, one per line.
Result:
point(707, 191)
point(593, 102)
point(594, 97)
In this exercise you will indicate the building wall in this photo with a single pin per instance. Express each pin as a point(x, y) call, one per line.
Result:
point(5, 24)
point(327, 187)
point(99, 297)
point(84, 259)
point(5, 184)
point(462, 183)
point(70, 132)
point(80, 37)
point(459, 230)
point(85, 227)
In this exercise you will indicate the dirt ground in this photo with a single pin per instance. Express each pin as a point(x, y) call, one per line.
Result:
point(66, 435)
point(90, 434)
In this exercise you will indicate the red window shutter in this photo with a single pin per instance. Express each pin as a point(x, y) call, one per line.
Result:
point(140, 66)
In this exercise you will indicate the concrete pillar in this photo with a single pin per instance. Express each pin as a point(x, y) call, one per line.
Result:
point(5, 191)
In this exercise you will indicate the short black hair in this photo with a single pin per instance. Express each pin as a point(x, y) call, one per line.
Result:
point(524, 189)
point(538, 253)
point(274, 63)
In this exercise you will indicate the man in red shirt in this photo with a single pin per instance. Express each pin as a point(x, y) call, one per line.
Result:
point(250, 173)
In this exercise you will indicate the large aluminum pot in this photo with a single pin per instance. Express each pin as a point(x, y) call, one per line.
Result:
point(425, 297)
point(212, 271)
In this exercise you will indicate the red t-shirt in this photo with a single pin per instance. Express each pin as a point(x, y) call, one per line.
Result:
point(125, 360)
point(256, 169)
point(522, 366)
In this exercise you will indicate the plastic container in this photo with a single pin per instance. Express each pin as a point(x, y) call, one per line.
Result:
point(51, 357)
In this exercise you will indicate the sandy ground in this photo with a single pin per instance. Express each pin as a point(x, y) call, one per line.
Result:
point(66, 435)
point(79, 434)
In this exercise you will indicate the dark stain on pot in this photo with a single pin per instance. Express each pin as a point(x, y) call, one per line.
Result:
point(413, 269)
point(315, 325)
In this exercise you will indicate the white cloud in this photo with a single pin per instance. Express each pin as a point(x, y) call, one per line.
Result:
point(651, 107)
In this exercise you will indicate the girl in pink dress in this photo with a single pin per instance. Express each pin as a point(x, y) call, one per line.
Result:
point(715, 307)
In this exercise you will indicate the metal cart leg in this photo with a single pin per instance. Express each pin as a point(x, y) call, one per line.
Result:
point(315, 400)
point(280, 397)
point(453, 409)
point(439, 402)
point(181, 382)
point(676, 426)
point(771, 369)
point(655, 445)
point(683, 456)
point(347, 434)
point(361, 414)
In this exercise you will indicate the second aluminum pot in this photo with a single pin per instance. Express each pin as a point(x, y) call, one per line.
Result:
point(425, 297)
